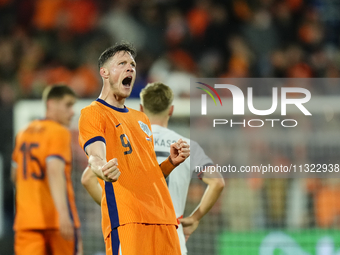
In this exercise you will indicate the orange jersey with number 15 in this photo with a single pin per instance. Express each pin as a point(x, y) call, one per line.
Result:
point(140, 195)
point(39, 142)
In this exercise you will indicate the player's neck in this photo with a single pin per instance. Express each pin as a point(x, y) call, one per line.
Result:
point(114, 102)
point(52, 117)
point(160, 121)
point(112, 99)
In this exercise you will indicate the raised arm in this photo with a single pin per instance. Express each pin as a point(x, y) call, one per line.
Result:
point(215, 186)
point(92, 140)
point(179, 152)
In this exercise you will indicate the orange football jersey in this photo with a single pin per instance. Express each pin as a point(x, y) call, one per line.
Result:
point(140, 195)
point(40, 141)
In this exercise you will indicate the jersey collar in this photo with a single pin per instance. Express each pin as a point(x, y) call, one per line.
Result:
point(112, 107)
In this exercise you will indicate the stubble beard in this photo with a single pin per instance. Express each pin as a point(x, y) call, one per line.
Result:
point(116, 93)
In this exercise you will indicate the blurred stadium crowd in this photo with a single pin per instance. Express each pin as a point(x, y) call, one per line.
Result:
point(49, 41)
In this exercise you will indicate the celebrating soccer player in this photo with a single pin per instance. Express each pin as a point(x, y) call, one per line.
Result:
point(137, 213)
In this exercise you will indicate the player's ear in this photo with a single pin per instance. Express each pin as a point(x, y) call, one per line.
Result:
point(51, 106)
point(141, 108)
point(104, 72)
point(171, 110)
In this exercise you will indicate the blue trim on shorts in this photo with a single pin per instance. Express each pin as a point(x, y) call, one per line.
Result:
point(115, 242)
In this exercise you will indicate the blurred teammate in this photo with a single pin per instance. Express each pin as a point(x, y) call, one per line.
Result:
point(46, 219)
point(137, 213)
point(156, 99)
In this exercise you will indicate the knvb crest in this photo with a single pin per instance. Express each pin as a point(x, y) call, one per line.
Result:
point(145, 128)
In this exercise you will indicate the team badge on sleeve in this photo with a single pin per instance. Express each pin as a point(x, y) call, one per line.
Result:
point(145, 128)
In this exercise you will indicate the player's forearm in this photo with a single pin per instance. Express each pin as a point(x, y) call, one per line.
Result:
point(167, 166)
point(96, 163)
point(211, 194)
point(80, 243)
point(97, 157)
point(105, 170)
point(90, 182)
point(58, 191)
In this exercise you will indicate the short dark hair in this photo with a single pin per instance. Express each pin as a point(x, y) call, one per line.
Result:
point(111, 51)
point(57, 91)
point(156, 97)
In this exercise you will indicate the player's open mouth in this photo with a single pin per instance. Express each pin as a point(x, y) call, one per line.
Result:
point(127, 81)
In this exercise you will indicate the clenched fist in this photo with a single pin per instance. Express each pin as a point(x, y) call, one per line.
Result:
point(179, 151)
point(108, 171)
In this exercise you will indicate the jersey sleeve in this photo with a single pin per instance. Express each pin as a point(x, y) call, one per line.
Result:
point(91, 127)
point(198, 157)
point(60, 145)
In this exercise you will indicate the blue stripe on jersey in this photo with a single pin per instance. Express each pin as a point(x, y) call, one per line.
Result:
point(112, 107)
point(92, 140)
point(111, 205)
point(115, 242)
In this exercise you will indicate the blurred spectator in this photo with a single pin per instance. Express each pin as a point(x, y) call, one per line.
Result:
point(241, 58)
point(218, 30)
point(119, 23)
point(7, 95)
point(80, 15)
point(8, 63)
point(198, 18)
point(150, 18)
point(177, 30)
point(48, 14)
point(284, 22)
point(175, 69)
point(262, 37)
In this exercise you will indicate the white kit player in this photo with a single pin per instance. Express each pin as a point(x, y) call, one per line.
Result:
point(156, 103)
